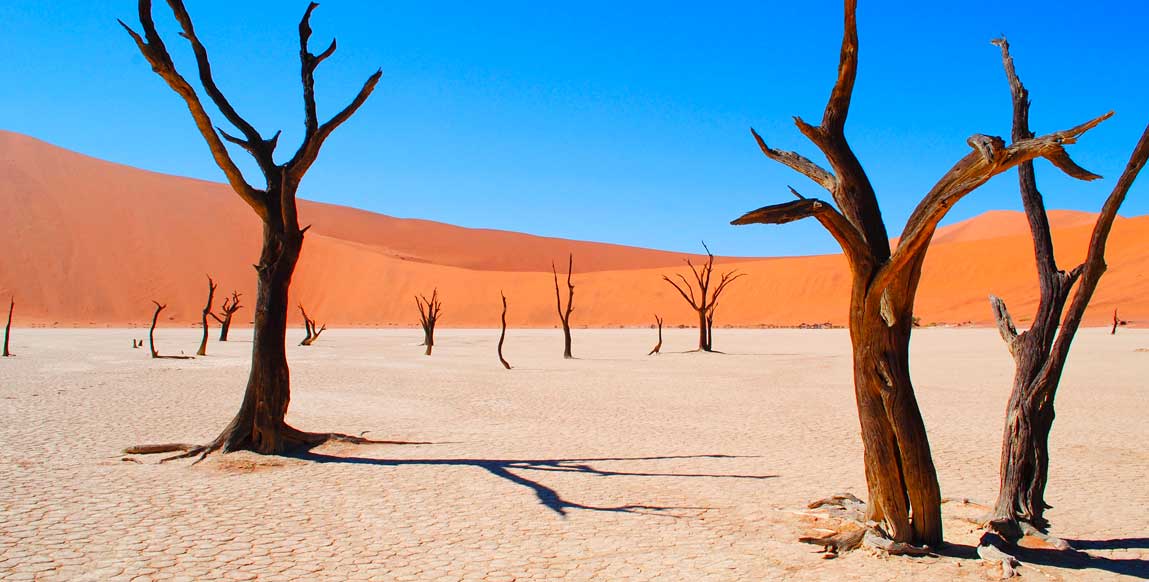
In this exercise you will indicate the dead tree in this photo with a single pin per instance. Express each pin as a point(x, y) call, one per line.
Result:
point(202, 351)
point(1116, 322)
point(503, 333)
point(152, 336)
point(429, 310)
point(309, 326)
point(1040, 352)
point(900, 475)
point(565, 314)
point(707, 298)
point(657, 346)
point(8, 328)
point(260, 423)
point(230, 306)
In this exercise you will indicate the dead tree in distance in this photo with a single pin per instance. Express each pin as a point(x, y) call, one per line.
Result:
point(202, 351)
point(503, 333)
point(309, 326)
point(429, 310)
point(657, 346)
point(260, 423)
point(152, 335)
point(1116, 322)
point(8, 328)
point(904, 496)
point(707, 298)
point(565, 314)
point(230, 306)
point(1040, 352)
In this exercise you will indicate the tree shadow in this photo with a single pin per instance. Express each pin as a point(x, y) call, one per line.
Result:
point(548, 497)
point(1069, 559)
point(1111, 544)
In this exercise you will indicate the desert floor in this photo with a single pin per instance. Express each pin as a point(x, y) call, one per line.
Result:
point(612, 466)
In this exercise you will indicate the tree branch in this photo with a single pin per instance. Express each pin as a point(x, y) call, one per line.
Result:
point(847, 236)
point(798, 163)
point(991, 157)
point(1004, 323)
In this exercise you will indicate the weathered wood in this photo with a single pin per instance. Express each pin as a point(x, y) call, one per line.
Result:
point(152, 330)
point(707, 299)
point(8, 327)
point(202, 351)
point(657, 346)
point(309, 326)
point(230, 306)
point(503, 332)
point(565, 315)
point(1040, 352)
point(901, 479)
point(429, 309)
point(260, 423)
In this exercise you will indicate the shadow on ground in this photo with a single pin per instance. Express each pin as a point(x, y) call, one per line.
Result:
point(510, 469)
point(1071, 559)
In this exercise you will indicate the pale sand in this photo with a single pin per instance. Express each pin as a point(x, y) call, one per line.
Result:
point(533, 464)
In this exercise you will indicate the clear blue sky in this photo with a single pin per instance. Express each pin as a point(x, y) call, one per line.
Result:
point(608, 121)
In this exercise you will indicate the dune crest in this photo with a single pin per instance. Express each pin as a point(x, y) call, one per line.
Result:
point(89, 242)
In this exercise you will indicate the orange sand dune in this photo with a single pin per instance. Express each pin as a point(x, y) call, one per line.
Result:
point(88, 242)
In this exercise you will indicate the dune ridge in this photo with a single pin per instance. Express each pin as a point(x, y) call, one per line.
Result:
point(90, 243)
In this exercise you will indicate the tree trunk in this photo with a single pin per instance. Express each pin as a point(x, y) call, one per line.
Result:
point(567, 341)
point(657, 346)
point(152, 330)
point(503, 333)
point(428, 339)
point(703, 336)
point(259, 425)
point(8, 328)
point(202, 351)
point(900, 474)
point(225, 327)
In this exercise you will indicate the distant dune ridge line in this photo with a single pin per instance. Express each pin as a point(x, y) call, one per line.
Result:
point(89, 242)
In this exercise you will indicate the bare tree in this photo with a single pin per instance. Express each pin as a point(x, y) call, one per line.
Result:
point(503, 333)
point(565, 314)
point(900, 475)
point(230, 306)
point(1116, 322)
point(202, 351)
point(152, 335)
point(1040, 352)
point(707, 299)
point(309, 326)
point(8, 328)
point(260, 423)
point(657, 346)
point(429, 310)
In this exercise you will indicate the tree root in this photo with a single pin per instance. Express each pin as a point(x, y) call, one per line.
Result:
point(295, 439)
point(856, 531)
point(1002, 533)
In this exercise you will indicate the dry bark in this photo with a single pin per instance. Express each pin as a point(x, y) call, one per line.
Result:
point(260, 423)
point(1040, 352)
point(230, 306)
point(657, 346)
point(707, 299)
point(429, 310)
point(565, 315)
point(8, 327)
point(152, 335)
point(309, 326)
point(503, 333)
point(202, 351)
point(902, 484)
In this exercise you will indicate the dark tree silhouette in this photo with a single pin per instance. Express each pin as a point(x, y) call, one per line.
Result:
point(1040, 352)
point(230, 306)
point(903, 488)
point(8, 327)
point(1116, 322)
point(309, 326)
point(260, 423)
point(503, 333)
point(202, 351)
point(707, 299)
point(152, 335)
point(429, 310)
point(565, 314)
point(657, 346)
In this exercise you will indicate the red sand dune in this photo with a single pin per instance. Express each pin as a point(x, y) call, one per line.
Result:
point(88, 242)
